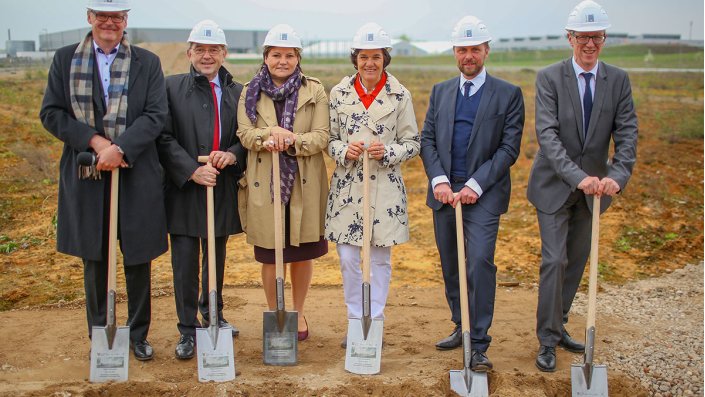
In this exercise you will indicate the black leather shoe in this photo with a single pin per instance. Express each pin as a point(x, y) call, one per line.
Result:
point(222, 324)
point(143, 350)
point(570, 344)
point(454, 340)
point(546, 359)
point(479, 361)
point(185, 347)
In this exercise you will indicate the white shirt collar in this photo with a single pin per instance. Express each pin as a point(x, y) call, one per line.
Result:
point(476, 81)
point(578, 69)
point(114, 51)
point(216, 80)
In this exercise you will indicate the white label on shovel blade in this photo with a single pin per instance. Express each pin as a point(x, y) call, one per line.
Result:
point(110, 364)
point(215, 364)
point(364, 356)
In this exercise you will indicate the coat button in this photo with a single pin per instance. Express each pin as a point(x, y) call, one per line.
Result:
point(256, 184)
point(202, 147)
point(373, 177)
point(205, 106)
point(304, 180)
point(259, 159)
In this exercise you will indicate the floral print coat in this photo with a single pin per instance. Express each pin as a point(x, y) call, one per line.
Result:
point(391, 120)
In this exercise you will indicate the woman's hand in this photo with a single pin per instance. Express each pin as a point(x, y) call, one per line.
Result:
point(279, 139)
point(354, 150)
point(376, 150)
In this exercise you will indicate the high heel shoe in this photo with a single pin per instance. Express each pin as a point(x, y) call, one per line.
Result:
point(303, 335)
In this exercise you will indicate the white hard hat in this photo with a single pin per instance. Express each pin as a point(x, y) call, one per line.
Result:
point(470, 31)
point(108, 5)
point(207, 32)
point(588, 16)
point(371, 36)
point(282, 35)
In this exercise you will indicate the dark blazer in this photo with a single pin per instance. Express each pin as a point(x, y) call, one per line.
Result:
point(494, 143)
point(187, 134)
point(565, 158)
point(141, 217)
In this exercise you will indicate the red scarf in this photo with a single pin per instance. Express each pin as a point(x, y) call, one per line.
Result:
point(365, 98)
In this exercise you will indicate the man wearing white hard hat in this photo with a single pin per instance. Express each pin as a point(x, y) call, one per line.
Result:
point(582, 105)
point(202, 121)
point(470, 139)
point(369, 107)
point(106, 96)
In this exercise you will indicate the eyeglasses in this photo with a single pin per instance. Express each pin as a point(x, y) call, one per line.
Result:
point(105, 17)
point(595, 39)
point(212, 51)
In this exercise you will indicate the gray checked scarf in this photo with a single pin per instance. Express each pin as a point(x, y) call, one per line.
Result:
point(289, 93)
point(81, 92)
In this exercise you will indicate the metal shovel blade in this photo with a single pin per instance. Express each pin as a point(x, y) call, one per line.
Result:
point(469, 383)
point(110, 364)
point(216, 362)
point(595, 387)
point(363, 355)
point(280, 347)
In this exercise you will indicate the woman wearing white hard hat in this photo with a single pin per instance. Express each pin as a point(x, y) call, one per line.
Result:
point(282, 110)
point(370, 109)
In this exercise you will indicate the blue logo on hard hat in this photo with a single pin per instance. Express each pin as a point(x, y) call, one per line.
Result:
point(591, 17)
point(283, 36)
point(207, 33)
point(370, 37)
point(468, 33)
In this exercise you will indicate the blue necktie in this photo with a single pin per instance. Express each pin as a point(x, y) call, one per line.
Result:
point(467, 87)
point(587, 101)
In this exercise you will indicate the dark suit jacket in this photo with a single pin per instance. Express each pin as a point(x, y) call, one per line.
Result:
point(188, 133)
point(494, 143)
point(141, 217)
point(565, 158)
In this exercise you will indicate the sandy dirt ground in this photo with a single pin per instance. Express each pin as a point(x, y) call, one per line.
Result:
point(49, 351)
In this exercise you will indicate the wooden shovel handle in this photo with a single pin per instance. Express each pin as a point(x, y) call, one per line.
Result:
point(112, 229)
point(462, 276)
point(278, 235)
point(594, 245)
point(210, 229)
point(366, 224)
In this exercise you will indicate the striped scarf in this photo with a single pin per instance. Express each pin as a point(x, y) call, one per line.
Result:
point(81, 92)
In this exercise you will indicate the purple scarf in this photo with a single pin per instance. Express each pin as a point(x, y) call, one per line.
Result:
point(289, 93)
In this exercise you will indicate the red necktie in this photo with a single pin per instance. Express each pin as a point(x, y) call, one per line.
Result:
point(216, 128)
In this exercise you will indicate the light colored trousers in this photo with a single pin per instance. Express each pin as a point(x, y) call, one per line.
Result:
point(380, 274)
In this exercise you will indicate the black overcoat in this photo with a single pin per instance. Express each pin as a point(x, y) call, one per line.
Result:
point(187, 134)
point(141, 215)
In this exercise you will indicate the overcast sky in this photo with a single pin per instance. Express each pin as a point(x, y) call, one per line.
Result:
point(330, 19)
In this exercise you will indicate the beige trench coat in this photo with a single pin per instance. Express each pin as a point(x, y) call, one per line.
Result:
point(391, 120)
point(308, 197)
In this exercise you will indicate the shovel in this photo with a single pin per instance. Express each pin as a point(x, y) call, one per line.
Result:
point(465, 382)
point(363, 353)
point(588, 379)
point(216, 360)
point(279, 327)
point(110, 345)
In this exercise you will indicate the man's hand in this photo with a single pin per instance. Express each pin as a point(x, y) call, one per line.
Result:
point(465, 196)
point(221, 160)
point(354, 150)
point(608, 187)
point(443, 193)
point(590, 185)
point(98, 143)
point(205, 175)
point(376, 150)
point(109, 158)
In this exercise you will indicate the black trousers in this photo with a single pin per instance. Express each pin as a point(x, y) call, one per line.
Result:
point(184, 264)
point(139, 304)
point(480, 231)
